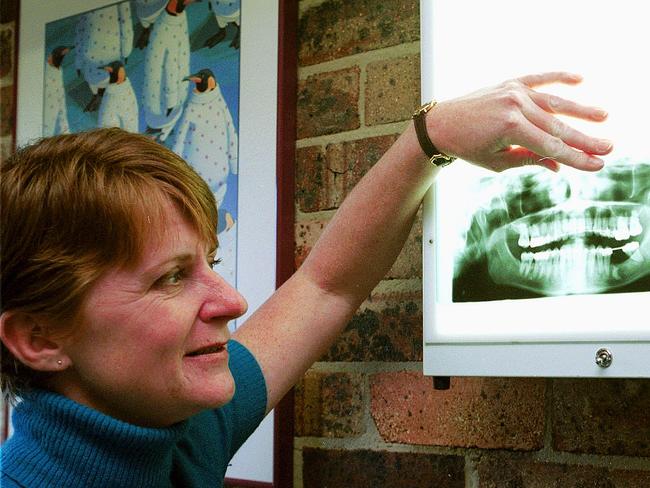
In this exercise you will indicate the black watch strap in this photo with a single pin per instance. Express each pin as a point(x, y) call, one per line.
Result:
point(436, 157)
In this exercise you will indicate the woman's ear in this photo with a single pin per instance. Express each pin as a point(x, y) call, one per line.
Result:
point(28, 339)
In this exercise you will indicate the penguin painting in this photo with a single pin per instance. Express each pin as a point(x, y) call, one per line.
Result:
point(119, 106)
point(55, 112)
point(166, 62)
point(102, 36)
point(205, 135)
point(147, 11)
point(225, 12)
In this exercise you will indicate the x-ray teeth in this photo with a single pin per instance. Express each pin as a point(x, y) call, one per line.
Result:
point(537, 233)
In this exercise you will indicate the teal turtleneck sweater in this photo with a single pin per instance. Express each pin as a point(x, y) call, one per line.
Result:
point(60, 443)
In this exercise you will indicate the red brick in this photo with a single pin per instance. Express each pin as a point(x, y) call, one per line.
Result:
point(328, 103)
point(378, 469)
point(602, 416)
point(311, 179)
point(500, 472)
point(387, 327)
point(392, 89)
point(307, 233)
point(323, 180)
point(336, 28)
point(350, 160)
point(407, 265)
point(329, 405)
point(493, 413)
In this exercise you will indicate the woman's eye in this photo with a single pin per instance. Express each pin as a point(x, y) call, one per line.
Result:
point(170, 279)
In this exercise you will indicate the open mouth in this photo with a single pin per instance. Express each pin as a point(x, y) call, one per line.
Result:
point(211, 349)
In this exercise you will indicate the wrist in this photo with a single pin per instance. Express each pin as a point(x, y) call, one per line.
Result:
point(420, 116)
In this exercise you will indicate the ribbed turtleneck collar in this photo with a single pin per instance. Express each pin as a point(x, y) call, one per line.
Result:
point(57, 438)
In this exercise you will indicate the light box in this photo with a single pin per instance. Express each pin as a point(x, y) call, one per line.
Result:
point(528, 272)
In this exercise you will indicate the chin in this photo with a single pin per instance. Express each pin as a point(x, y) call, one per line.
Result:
point(216, 393)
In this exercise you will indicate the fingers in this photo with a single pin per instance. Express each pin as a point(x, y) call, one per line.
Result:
point(552, 138)
point(542, 143)
point(539, 79)
point(558, 105)
point(558, 129)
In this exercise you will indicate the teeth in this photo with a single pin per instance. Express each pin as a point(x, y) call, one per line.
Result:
point(619, 227)
point(630, 247)
point(524, 237)
point(573, 262)
point(635, 226)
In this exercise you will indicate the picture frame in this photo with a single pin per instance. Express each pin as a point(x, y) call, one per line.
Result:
point(527, 272)
point(264, 200)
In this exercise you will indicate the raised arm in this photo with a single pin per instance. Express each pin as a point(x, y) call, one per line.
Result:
point(500, 127)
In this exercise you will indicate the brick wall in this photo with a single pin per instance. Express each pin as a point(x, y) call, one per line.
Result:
point(365, 415)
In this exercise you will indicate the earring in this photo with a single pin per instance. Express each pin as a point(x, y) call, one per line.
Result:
point(59, 362)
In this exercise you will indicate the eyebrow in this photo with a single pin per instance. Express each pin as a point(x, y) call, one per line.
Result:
point(153, 270)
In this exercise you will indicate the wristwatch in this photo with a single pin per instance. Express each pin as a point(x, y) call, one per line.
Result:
point(436, 157)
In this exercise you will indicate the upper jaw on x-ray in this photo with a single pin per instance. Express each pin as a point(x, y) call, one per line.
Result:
point(564, 233)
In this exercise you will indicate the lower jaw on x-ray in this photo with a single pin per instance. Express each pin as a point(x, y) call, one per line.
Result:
point(538, 233)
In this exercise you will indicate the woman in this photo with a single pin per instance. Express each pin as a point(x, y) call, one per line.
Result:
point(114, 327)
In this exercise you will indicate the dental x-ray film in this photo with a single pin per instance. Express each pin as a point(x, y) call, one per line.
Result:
point(535, 233)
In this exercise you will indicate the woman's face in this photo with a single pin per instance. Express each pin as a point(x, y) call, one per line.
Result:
point(150, 346)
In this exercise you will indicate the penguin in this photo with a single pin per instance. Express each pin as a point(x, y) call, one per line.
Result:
point(147, 11)
point(205, 135)
point(55, 112)
point(119, 105)
point(102, 36)
point(226, 12)
point(166, 62)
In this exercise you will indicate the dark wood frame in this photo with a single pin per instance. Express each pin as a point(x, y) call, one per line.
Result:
point(285, 262)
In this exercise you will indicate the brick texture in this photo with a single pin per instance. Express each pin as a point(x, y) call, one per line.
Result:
point(388, 327)
point(339, 28)
point(324, 178)
point(500, 472)
point(329, 405)
point(372, 469)
point(307, 233)
point(493, 413)
point(602, 416)
point(328, 103)
point(392, 90)
point(407, 265)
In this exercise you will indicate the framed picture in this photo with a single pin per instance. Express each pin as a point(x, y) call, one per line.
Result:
point(529, 272)
point(204, 82)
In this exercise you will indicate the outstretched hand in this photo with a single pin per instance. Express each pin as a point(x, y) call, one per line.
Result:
point(512, 125)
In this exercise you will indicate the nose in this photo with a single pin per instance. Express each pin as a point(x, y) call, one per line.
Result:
point(221, 301)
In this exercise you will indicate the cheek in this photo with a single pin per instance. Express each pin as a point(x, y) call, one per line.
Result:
point(152, 330)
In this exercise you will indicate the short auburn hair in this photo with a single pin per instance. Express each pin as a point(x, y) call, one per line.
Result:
point(74, 206)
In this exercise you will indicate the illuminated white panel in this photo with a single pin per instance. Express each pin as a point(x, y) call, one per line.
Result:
point(557, 293)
